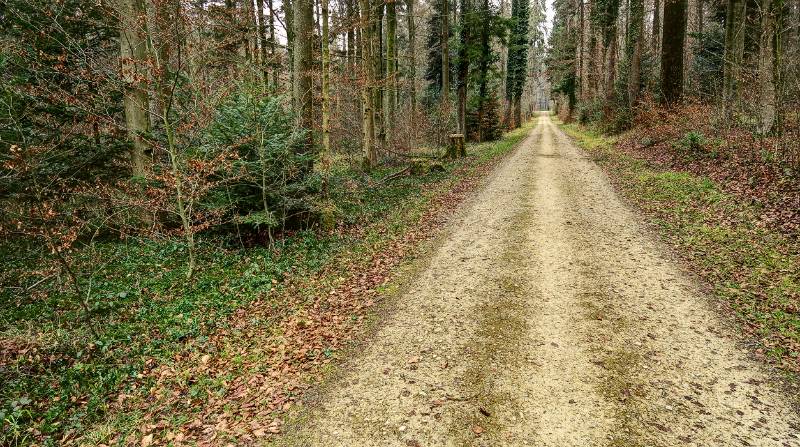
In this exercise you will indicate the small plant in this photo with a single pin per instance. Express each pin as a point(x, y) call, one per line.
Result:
point(692, 142)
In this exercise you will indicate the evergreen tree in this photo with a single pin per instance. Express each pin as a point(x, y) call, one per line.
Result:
point(517, 61)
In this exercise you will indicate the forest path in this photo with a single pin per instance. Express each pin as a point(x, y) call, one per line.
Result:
point(549, 317)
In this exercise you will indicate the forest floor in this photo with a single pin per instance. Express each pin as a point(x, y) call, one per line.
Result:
point(548, 314)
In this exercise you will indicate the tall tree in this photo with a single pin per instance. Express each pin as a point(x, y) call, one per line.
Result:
point(433, 71)
point(767, 91)
point(412, 59)
point(655, 38)
point(273, 53)
point(367, 41)
point(391, 67)
point(463, 65)
point(634, 49)
point(326, 94)
point(261, 36)
point(133, 55)
point(517, 62)
point(302, 87)
point(379, 90)
point(672, 50)
point(483, 63)
point(734, 50)
point(445, 37)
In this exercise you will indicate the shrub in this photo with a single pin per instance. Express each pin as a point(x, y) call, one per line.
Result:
point(692, 142)
point(274, 181)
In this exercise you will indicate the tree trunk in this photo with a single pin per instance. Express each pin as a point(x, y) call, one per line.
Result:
point(483, 69)
point(288, 13)
point(367, 99)
point(672, 50)
point(261, 34)
point(247, 37)
point(377, 56)
point(656, 37)
point(503, 53)
point(273, 55)
point(445, 53)
point(133, 56)
point(634, 50)
point(391, 67)
point(412, 63)
point(766, 68)
point(326, 95)
point(302, 88)
point(734, 51)
point(700, 18)
point(351, 36)
point(463, 69)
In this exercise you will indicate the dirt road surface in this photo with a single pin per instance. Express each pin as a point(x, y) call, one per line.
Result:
point(550, 317)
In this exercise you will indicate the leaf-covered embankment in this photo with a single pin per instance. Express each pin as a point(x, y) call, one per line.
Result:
point(753, 267)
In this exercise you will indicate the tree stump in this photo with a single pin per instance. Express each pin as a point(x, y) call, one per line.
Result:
point(456, 148)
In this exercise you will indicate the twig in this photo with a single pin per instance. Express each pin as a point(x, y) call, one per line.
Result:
point(396, 174)
point(28, 289)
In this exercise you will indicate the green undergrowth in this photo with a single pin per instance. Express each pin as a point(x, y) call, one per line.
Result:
point(58, 365)
point(754, 269)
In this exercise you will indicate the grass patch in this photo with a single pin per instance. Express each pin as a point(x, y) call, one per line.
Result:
point(57, 374)
point(754, 269)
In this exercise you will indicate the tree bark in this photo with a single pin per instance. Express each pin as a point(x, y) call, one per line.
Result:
point(766, 68)
point(288, 14)
point(391, 67)
point(304, 36)
point(133, 55)
point(463, 69)
point(672, 50)
point(351, 35)
point(274, 63)
point(634, 50)
point(261, 32)
point(377, 55)
point(656, 37)
point(412, 63)
point(734, 51)
point(483, 69)
point(367, 100)
point(445, 93)
point(326, 95)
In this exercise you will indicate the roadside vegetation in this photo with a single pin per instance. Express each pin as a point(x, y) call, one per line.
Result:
point(749, 255)
point(64, 369)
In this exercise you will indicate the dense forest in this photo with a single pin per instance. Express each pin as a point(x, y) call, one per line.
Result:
point(142, 133)
point(609, 59)
point(202, 200)
point(161, 118)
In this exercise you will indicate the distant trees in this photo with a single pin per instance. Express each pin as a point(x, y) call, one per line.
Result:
point(671, 53)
